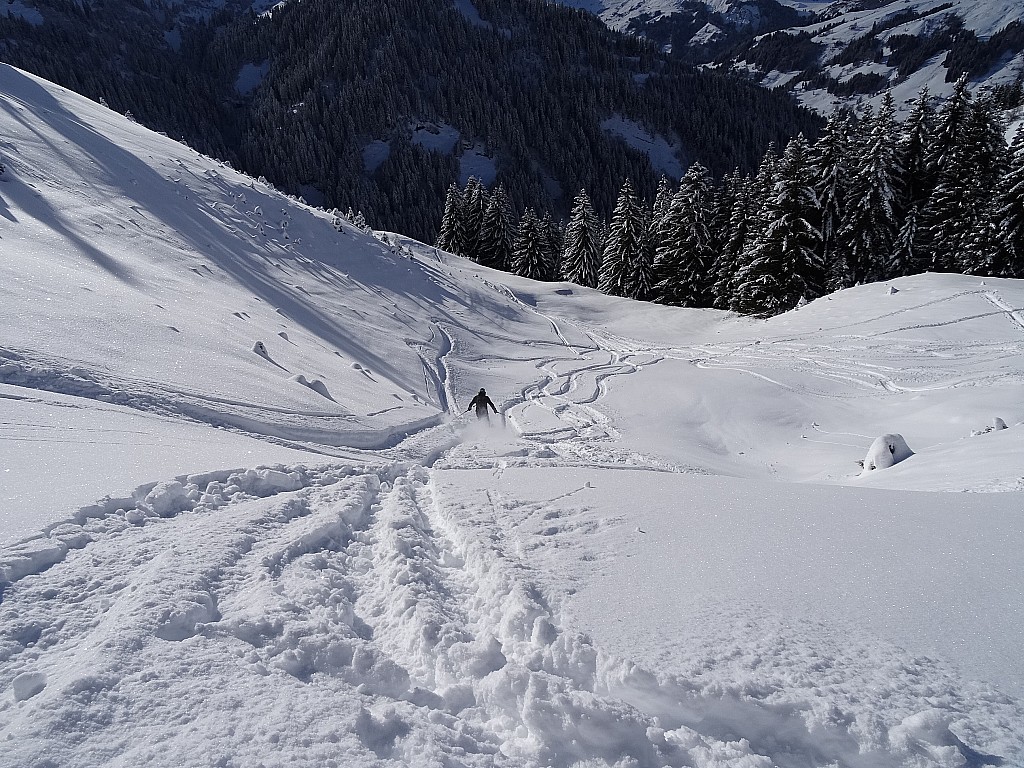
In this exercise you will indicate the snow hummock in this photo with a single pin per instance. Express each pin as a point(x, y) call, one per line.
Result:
point(663, 552)
point(886, 451)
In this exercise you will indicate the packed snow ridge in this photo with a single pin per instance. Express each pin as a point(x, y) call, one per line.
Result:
point(246, 520)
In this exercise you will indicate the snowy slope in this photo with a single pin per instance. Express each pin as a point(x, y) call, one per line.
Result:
point(831, 28)
point(662, 553)
point(984, 18)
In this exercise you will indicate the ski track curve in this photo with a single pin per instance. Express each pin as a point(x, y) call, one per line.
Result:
point(363, 586)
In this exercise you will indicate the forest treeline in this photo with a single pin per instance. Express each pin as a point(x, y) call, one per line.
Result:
point(871, 199)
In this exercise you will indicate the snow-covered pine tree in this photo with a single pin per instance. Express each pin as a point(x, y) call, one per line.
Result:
point(939, 223)
point(759, 196)
point(762, 188)
point(916, 152)
point(868, 234)
point(979, 248)
point(624, 244)
point(498, 232)
point(684, 259)
point(581, 255)
point(784, 265)
point(950, 123)
point(971, 157)
point(988, 156)
point(662, 203)
point(906, 257)
point(452, 237)
point(528, 255)
point(553, 237)
point(722, 199)
point(728, 263)
point(640, 284)
point(662, 198)
point(475, 199)
point(1009, 213)
point(831, 162)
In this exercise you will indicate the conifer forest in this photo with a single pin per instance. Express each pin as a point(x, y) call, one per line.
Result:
point(873, 198)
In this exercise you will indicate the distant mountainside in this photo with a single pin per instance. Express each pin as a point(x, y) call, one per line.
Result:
point(830, 53)
point(381, 106)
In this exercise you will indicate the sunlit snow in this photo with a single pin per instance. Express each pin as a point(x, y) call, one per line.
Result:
point(246, 520)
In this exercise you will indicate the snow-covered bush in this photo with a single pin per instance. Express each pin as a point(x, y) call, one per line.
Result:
point(885, 451)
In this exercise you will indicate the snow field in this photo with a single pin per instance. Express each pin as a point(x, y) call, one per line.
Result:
point(728, 607)
point(651, 560)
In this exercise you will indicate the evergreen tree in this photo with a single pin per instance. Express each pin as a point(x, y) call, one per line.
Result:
point(662, 198)
point(868, 235)
point(1009, 214)
point(971, 154)
point(684, 259)
point(553, 238)
point(641, 280)
point(762, 188)
point(916, 152)
point(980, 248)
point(625, 243)
point(951, 123)
point(784, 266)
point(662, 203)
point(452, 237)
point(581, 256)
point(528, 255)
point(987, 156)
point(498, 232)
point(906, 258)
point(832, 171)
point(729, 261)
point(475, 200)
point(723, 197)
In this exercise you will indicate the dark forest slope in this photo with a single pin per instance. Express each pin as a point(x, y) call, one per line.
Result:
point(380, 105)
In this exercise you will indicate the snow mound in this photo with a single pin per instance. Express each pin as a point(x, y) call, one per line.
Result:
point(885, 451)
point(314, 384)
point(28, 684)
point(168, 498)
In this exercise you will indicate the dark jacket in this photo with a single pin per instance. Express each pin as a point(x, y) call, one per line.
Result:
point(481, 401)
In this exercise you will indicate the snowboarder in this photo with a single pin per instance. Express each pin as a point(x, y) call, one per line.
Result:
point(481, 401)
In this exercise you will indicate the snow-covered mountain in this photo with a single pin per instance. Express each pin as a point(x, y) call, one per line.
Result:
point(245, 521)
point(830, 53)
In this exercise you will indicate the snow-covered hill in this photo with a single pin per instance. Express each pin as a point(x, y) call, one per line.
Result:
point(662, 553)
point(905, 45)
point(842, 52)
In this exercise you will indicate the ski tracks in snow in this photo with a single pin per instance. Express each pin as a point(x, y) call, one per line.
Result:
point(368, 619)
point(358, 597)
point(1016, 316)
point(364, 617)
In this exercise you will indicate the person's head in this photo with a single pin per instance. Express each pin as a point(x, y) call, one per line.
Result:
point(482, 392)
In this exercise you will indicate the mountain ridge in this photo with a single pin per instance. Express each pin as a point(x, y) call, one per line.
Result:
point(842, 52)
